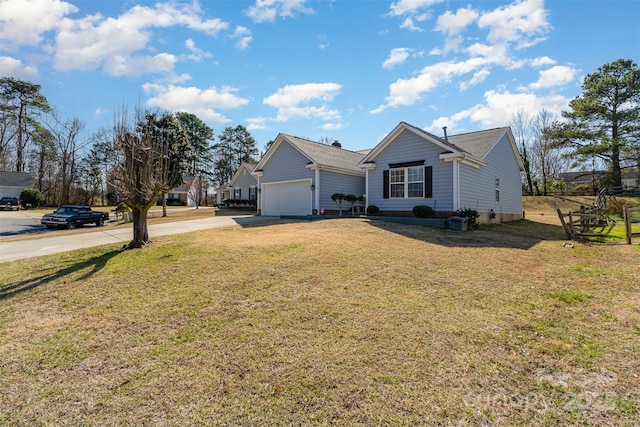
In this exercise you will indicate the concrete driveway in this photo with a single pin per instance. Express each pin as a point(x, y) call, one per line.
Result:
point(12, 251)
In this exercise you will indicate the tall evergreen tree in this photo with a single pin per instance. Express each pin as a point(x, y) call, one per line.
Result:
point(605, 120)
point(235, 146)
point(21, 102)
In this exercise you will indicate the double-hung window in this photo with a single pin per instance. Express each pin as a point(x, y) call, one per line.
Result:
point(406, 182)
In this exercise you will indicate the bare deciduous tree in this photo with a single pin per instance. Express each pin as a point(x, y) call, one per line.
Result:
point(151, 164)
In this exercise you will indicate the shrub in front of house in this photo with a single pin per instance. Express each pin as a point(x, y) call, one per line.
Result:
point(423, 211)
point(373, 210)
point(471, 215)
point(31, 197)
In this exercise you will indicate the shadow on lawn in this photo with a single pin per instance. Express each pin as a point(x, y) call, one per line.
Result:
point(522, 234)
point(97, 263)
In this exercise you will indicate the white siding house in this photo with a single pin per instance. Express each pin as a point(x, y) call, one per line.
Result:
point(13, 183)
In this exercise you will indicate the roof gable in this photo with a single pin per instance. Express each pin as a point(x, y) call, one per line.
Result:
point(319, 155)
point(449, 150)
point(244, 166)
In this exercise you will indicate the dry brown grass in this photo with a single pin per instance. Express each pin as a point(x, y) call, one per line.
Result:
point(335, 322)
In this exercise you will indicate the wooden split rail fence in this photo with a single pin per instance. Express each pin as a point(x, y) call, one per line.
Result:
point(586, 223)
point(628, 213)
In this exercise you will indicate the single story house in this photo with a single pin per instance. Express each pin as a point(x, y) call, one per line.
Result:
point(14, 183)
point(243, 185)
point(298, 177)
point(477, 170)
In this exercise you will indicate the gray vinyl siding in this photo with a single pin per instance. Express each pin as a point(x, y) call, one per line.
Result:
point(408, 147)
point(477, 186)
point(333, 182)
point(245, 180)
point(286, 164)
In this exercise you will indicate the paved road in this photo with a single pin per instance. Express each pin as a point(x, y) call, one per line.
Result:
point(11, 251)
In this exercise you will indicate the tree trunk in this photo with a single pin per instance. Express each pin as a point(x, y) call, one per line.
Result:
point(164, 204)
point(140, 228)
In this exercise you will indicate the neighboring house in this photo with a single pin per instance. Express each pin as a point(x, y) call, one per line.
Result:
point(297, 176)
point(478, 170)
point(13, 183)
point(583, 179)
point(594, 180)
point(182, 195)
point(243, 185)
point(631, 180)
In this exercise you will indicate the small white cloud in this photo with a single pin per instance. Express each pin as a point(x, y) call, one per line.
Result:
point(404, 7)
point(332, 126)
point(258, 123)
point(117, 65)
point(243, 37)
point(295, 101)
point(100, 112)
point(542, 61)
point(11, 67)
point(454, 23)
point(478, 77)
point(269, 10)
point(196, 54)
point(554, 76)
point(396, 57)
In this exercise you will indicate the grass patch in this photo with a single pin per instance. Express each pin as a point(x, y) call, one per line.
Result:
point(344, 322)
point(571, 297)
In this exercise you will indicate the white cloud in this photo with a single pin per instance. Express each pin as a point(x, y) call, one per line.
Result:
point(123, 65)
point(269, 10)
point(23, 22)
point(516, 22)
point(291, 101)
point(196, 54)
point(453, 23)
point(478, 77)
point(243, 37)
point(409, 91)
point(258, 123)
point(201, 102)
point(11, 67)
point(404, 7)
point(554, 76)
point(542, 61)
point(509, 27)
point(396, 56)
point(92, 41)
point(499, 107)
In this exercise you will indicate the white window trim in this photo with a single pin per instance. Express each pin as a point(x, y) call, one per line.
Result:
point(406, 183)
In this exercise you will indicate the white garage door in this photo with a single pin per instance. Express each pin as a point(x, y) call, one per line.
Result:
point(286, 198)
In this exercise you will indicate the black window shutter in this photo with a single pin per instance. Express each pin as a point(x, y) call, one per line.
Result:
point(428, 182)
point(385, 184)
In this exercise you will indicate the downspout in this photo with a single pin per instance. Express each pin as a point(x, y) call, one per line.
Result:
point(456, 185)
point(366, 189)
point(317, 194)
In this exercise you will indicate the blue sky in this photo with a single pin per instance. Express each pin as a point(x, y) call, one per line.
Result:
point(348, 70)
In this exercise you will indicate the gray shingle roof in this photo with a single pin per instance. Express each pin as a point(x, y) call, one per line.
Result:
point(478, 143)
point(15, 179)
point(327, 155)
